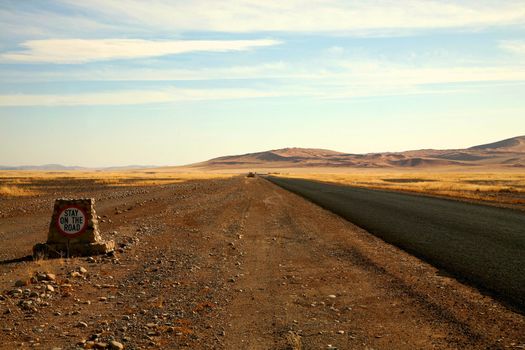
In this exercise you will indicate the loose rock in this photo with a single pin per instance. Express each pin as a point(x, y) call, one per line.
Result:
point(115, 345)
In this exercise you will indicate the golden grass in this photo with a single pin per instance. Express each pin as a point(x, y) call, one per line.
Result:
point(11, 181)
point(15, 191)
point(500, 187)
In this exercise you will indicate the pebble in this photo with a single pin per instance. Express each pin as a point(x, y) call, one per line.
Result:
point(49, 288)
point(82, 325)
point(115, 345)
point(82, 270)
point(15, 292)
point(20, 283)
point(332, 296)
point(340, 332)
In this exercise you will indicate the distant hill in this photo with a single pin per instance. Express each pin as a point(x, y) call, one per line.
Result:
point(59, 167)
point(514, 144)
point(41, 167)
point(509, 153)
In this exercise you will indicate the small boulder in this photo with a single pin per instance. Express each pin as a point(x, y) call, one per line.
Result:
point(115, 345)
point(20, 283)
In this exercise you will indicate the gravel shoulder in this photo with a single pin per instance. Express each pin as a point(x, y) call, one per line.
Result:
point(234, 264)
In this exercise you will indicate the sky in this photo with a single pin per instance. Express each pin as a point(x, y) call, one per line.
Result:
point(107, 83)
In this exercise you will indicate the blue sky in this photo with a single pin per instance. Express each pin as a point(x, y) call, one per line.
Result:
point(100, 83)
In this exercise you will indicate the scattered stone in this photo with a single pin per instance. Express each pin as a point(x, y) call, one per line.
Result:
point(15, 292)
point(50, 288)
point(51, 277)
point(115, 345)
point(340, 332)
point(90, 259)
point(332, 296)
point(82, 325)
point(102, 299)
point(41, 276)
point(82, 270)
point(20, 283)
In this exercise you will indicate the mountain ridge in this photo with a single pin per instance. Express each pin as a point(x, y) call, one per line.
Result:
point(505, 153)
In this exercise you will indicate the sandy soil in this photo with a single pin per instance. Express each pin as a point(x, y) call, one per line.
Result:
point(233, 264)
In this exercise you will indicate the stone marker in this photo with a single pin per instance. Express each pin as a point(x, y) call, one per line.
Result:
point(74, 230)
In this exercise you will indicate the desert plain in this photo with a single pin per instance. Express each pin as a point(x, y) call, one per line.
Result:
point(209, 258)
point(225, 261)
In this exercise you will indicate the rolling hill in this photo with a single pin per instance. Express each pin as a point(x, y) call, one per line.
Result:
point(509, 153)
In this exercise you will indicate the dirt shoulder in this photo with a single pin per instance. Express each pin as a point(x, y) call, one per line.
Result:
point(238, 264)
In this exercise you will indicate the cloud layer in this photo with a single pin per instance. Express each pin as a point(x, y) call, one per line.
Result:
point(309, 16)
point(514, 46)
point(130, 97)
point(83, 50)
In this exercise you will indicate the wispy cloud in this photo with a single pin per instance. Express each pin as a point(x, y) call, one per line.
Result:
point(130, 97)
point(514, 46)
point(83, 50)
point(370, 72)
point(386, 74)
point(358, 17)
point(351, 79)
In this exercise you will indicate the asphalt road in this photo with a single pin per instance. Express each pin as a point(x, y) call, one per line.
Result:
point(482, 244)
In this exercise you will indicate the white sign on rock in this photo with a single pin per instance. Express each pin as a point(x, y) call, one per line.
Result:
point(73, 231)
point(72, 221)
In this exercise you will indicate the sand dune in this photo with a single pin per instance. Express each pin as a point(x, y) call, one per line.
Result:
point(509, 153)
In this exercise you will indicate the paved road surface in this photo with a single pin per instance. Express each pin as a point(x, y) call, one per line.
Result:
point(483, 244)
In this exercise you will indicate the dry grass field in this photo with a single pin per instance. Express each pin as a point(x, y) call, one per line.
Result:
point(225, 263)
point(506, 188)
point(34, 183)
